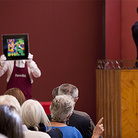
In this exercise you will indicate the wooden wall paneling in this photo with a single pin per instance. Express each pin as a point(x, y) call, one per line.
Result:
point(108, 101)
point(99, 101)
point(112, 101)
point(137, 112)
point(109, 91)
point(104, 103)
point(118, 103)
point(129, 100)
point(99, 94)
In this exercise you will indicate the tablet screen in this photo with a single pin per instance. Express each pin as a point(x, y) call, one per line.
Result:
point(15, 47)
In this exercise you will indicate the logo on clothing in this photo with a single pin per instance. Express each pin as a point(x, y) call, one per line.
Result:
point(20, 75)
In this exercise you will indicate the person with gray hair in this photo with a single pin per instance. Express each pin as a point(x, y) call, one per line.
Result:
point(35, 118)
point(81, 120)
point(61, 109)
point(69, 89)
point(55, 92)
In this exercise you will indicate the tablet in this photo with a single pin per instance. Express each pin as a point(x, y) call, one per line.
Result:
point(15, 47)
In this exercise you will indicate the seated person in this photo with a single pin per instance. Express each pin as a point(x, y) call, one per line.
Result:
point(61, 109)
point(81, 120)
point(17, 93)
point(10, 100)
point(35, 118)
point(10, 122)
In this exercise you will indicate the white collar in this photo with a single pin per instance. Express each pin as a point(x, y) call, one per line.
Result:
point(20, 63)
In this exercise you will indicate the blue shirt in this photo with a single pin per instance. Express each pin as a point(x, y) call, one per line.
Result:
point(69, 132)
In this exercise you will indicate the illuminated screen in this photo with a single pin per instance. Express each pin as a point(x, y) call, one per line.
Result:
point(15, 47)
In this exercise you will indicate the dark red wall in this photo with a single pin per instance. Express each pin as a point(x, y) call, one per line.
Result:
point(128, 17)
point(120, 15)
point(112, 29)
point(66, 41)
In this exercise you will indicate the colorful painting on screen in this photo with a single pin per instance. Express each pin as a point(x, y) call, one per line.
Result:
point(16, 47)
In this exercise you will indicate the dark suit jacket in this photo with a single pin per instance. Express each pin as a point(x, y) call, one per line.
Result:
point(135, 35)
point(82, 122)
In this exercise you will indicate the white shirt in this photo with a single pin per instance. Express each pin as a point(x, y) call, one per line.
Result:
point(8, 65)
point(34, 134)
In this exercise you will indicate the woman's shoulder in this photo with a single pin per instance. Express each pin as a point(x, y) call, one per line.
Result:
point(36, 134)
point(55, 133)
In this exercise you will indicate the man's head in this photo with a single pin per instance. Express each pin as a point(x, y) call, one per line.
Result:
point(55, 92)
point(69, 89)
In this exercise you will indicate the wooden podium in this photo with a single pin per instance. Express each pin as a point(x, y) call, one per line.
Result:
point(117, 102)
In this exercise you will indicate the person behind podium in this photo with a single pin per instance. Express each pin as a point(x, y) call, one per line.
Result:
point(135, 37)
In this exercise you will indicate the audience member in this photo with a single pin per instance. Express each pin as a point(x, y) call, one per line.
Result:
point(81, 120)
point(55, 92)
point(61, 109)
point(20, 73)
point(10, 100)
point(34, 134)
point(35, 118)
point(17, 93)
point(10, 122)
point(98, 130)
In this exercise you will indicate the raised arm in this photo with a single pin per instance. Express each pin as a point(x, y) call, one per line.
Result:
point(98, 130)
point(33, 67)
point(3, 68)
